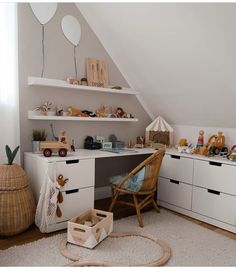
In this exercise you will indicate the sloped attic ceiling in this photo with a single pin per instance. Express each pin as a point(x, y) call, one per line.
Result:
point(180, 57)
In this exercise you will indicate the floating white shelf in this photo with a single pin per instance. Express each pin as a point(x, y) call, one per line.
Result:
point(55, 83)
point(33, 116)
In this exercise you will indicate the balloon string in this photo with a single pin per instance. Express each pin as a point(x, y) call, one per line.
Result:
point(75, 63)
point(42, 50)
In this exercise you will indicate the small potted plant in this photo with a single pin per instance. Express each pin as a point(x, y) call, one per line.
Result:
point(38, 136)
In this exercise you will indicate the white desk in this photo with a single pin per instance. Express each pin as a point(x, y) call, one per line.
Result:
point(79, 168)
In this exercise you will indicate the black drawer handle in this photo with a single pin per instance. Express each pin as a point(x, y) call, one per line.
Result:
point(215, 163)
point(72, 191)
point(213, 192)
point(72, 161)
point(175, 156)
point(174, 181)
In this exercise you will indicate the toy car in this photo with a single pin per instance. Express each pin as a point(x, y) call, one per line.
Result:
point(61, 146)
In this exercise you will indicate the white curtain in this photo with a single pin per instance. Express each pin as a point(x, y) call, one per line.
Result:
point(9, 101)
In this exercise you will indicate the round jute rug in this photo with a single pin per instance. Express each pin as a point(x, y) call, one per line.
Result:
point(165, 255)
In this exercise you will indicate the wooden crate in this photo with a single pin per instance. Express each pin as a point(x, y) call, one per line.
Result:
point(90, 228)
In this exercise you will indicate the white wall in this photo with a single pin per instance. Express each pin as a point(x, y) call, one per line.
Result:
point(59, 64)
point(180, 56)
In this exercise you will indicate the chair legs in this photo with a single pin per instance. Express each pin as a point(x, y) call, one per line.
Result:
point(155, 206)
point(114, 198)
point(138, 211)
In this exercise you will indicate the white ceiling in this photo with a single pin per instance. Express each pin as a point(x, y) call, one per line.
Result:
point(180, 57)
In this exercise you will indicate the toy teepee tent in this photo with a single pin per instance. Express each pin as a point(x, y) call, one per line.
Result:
point(159, 131)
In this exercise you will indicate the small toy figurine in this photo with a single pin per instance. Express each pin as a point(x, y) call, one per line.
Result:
point(59, 110)
point(200, 141)
point(183, 142)
point(73, 81)
point(84, 81)
point(44, 108)
point(73, 111)
point(102, 111)
point(140, 142)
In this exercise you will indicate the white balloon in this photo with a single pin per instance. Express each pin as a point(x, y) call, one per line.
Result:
point(44, 11)
point(71, 29)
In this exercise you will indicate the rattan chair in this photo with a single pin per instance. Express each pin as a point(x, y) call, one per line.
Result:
point(145, 195)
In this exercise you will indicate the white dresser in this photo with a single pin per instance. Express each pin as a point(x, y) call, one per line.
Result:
point(78, 192)
point(200, 187)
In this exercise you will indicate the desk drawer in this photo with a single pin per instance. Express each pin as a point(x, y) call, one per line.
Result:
point(214, 204)
point(216, 176)
point(75, 202)
point(174, 192)
point(81, 173)
point(177, 168)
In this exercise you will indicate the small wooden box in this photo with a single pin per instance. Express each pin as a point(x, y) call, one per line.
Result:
point(90, 228)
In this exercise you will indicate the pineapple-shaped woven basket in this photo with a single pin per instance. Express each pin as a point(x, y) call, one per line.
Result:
point(17, 205)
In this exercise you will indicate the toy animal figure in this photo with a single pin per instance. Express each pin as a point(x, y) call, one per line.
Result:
point(61, 183)
point(59, 110)
point(183, 142)
point(44, 108)
point(73, 111)
point(73, 81)
point(102, 111)
point(120, 113)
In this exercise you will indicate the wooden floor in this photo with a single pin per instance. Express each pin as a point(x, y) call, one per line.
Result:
point(33, 232)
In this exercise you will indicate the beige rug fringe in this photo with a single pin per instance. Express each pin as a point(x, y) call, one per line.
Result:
point(166, 253)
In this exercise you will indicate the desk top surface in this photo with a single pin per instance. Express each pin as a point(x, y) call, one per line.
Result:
point(90, 154)
point(94, 154)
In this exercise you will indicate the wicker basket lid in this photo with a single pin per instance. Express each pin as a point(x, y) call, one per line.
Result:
point(12, 177)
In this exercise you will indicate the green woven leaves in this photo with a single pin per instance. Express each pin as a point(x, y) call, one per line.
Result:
point(11, 155)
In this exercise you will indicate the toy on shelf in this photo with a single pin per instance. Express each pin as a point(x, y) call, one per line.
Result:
point(140, 142)
point(73, 81)
point(159, 132)
point(215, 144)
point(200, 141)
point(61, 146)
point(59, 110)
point(89, 113)
point(183, 142)
point(232, 155)
point(97, 73)
point(102, 112)
point(43, 109)
point(72, 111)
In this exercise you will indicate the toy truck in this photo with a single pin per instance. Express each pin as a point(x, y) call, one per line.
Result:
point(61, 146)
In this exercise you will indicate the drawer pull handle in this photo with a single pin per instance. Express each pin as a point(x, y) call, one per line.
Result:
point(213, 192)
point(175, 156)
point(174, 181)
point(72, 191)
point(72, 161)
point(215, 163)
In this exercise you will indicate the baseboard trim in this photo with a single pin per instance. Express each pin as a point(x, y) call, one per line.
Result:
point(103, 192)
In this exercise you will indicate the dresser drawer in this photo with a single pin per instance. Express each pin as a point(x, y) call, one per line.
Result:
point(216, 176)
point(178, 168)
point(214, 204)
point(81, 173)
point(174, 192)
point(75, 202)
